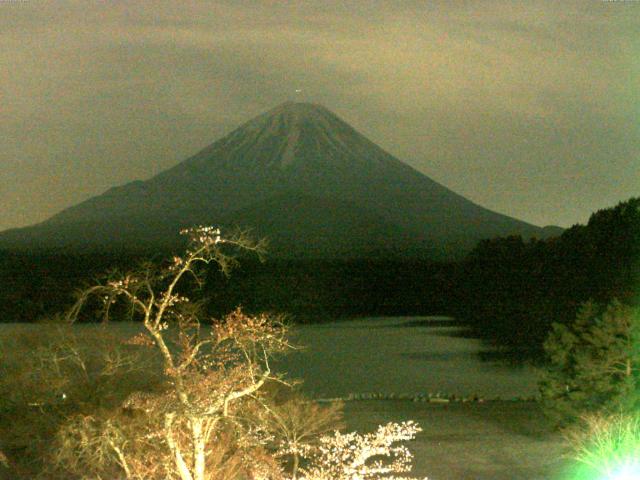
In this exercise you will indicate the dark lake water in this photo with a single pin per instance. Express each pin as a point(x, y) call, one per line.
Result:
point(401, 355)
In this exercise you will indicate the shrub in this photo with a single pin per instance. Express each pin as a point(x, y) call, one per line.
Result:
point(50, 372)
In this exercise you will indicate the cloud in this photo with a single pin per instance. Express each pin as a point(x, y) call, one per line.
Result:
point(507, 103)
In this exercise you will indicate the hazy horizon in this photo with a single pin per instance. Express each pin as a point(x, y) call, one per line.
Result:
point(529, 110)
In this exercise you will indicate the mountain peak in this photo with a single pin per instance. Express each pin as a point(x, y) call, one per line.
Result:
point(292, 133)
point(292, 115)
point(299, 107)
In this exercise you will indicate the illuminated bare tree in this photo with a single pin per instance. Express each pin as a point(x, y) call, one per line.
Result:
point(214, 414)
point(353, 456)
point(297, 426)
point(212, 374)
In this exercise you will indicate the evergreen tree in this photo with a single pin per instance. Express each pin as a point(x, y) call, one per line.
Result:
point(593, 363)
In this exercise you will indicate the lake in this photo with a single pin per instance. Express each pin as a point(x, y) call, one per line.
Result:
point(400, 355)
point(388, 355)
point(413, 355)
point(500, 440)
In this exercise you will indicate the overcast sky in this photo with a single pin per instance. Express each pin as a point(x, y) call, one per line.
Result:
point(528, 108)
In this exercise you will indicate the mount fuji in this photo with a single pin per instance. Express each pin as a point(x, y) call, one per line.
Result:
point(298, 175)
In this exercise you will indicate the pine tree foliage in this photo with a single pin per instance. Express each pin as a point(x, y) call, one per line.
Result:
point(593, 363)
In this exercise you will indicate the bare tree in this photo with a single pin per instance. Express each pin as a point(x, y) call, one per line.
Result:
point(212, 374)
point(214, 414)
point(298, 424)
point(353, 456)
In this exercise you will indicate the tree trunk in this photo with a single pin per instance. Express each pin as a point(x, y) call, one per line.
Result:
point(296, 465)
point(199, 465)
point(181, 466)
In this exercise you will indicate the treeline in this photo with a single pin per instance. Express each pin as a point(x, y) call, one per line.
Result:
point(33, 286)
point(323, 289)
point(511, 291)
point(508, 290)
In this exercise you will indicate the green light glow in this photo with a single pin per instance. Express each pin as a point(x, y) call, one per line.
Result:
point(607, 447)
point(627, 472)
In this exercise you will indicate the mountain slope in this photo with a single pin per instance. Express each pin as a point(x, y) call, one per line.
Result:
point(297, 173)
